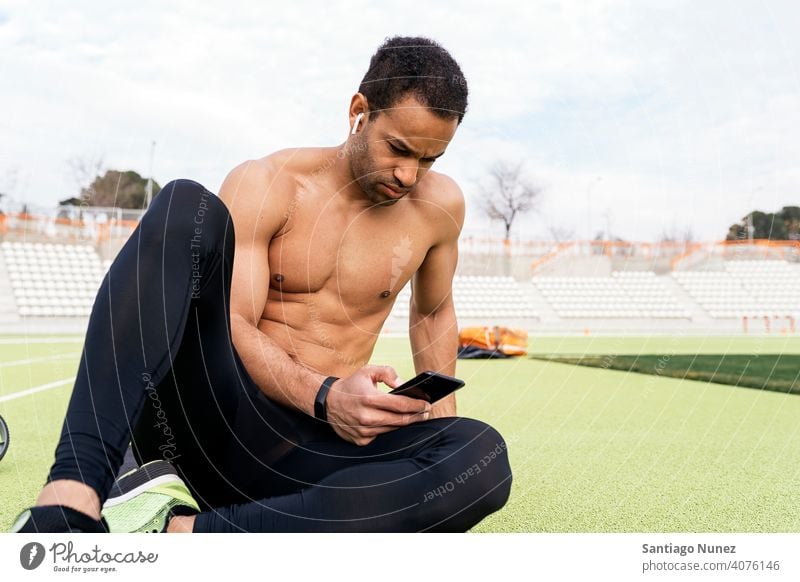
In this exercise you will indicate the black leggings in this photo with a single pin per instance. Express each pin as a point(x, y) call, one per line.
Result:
point(159, 369)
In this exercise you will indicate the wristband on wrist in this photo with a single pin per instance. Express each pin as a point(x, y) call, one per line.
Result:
point(320, 408)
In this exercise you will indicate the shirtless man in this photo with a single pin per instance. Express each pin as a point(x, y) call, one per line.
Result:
point(242, 378)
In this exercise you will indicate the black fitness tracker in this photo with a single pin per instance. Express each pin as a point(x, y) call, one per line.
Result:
point(320, 410)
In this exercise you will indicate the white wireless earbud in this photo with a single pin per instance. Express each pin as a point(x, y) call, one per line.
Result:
point(355, 125)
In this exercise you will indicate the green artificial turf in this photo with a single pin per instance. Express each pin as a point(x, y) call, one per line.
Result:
point(34, 420)
point(592, 449)
point(775, 372)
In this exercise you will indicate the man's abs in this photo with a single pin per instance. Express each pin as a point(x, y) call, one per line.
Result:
point(320, 337)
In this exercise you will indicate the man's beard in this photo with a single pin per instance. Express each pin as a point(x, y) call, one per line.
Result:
point(363, 176)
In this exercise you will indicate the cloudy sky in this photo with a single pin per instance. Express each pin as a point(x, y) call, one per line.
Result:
point(641, 118)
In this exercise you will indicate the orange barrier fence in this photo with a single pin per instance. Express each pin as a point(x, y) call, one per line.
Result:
point(782, 324)
point(681, 255)
point(100, 224)
point(24, 225)
point(732, 249)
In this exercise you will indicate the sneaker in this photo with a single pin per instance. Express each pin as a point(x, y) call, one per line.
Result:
point(56, 519)
point(144, 499)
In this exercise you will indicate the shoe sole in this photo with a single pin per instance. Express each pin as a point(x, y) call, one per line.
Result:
point(130, 494)
point(141, 479)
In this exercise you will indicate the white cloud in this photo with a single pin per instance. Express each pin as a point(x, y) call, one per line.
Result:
point(689, 112)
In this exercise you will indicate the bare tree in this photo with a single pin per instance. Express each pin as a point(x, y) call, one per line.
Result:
point(85, 169)
point(677, 234)
point(8, 185)
point(508, 194)
point(560, 233)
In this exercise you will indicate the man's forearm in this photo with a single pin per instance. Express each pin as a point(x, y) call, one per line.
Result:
point(276, 374)
point(434, 344)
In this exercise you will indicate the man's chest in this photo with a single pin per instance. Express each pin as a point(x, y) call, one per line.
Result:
point(360, 258)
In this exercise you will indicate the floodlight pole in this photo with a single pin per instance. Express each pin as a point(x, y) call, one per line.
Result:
point(149, 189)
point(589, 207)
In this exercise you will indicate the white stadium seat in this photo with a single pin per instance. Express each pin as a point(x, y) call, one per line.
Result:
point(625, 294)
point(52, 279)
point(755, 288)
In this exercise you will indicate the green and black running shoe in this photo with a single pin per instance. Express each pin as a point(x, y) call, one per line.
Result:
point(144, 499)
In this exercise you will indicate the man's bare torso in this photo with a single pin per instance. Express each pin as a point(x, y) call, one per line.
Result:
point(336, 265)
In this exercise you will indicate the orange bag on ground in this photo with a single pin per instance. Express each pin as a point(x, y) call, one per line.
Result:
point(508, 341)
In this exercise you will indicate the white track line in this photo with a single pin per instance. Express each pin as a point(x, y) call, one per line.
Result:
point(36, 360)
point(35, 389)
point(23, 340)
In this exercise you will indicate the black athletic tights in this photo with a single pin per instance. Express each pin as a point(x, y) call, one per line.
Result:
point(159, 370)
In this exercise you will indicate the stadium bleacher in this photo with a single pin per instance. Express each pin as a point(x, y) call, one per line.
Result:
point(752, 288)
point(53, 279)
point(773, 285)
point(50, 280)
point(718, 292)
point(480, 296)
point(626, 294)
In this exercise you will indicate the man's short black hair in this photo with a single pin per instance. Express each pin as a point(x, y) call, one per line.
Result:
point(416, 65)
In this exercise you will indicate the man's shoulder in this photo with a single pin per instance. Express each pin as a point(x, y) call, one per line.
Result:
point(295, 162)
point(444, 192)
point(440, 202)
point(266, 168)
point(259, 191)
point(283, 168)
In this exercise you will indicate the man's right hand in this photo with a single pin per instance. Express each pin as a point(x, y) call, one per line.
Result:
point(358, 411)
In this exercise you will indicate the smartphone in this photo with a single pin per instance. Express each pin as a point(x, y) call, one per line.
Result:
point(430, 386)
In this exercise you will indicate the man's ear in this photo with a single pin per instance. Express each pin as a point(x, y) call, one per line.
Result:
point(358, 105)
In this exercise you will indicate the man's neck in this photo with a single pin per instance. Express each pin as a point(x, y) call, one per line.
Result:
point(345, 185)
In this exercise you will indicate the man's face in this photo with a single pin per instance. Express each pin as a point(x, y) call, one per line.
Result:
point(396, 148)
